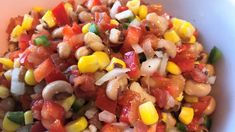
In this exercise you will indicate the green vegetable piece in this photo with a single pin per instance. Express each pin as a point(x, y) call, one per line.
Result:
point(142, 57)
point(130, 19)
point(78, 104)
point(17, 117)
point(207, 122)
point(181, 127)
point(42, 40)
point(93, 28)
point(125, 25)
point(214, 56)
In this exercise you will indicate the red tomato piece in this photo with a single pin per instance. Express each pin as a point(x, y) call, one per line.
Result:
point(161, 127)
point(43, 70)
point(140, 127)
point(24, 41)
point(37, 127)
point(132, 37)
point(85, 82)
point(14, 54)
point(103, 21)
point(55, 75)
point(161, 96)
point(36, 109)
point(61, 15)
point(91, 3)
point(198, 75)
point(132, 61)
point(194, 125)
point(13, 22)
point(56, 126)
point(104, 103)
point(110, 128)
point(122, 8)
point(201, 105)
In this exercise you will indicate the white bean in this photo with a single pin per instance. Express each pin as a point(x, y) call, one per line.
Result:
point(197, 89)
point(159, 21)
point(112, 89)
point(85, 16)
point(107, 117)
point(64, 50)
point(57, 33)
point(114, 35)
point(169, 46)
point(96, 46)
point(91, 37)
point(211, 107)
point(82, 51)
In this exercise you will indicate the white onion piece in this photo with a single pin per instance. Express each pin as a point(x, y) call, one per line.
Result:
point(162, 69)
point(124, 15)
point(135, 23)
point(148, 49)
point(114, 35)
point(159, 54)
point(150, 66)
point(111, 75)
point(137, 48)
point(114, 9)
point(17, 87)
point(211, 80)
point(107, 117)
point(91, 112)
point(170, 101)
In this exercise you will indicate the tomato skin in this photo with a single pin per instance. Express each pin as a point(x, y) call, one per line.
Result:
point(194, 125)
point(198, 76)
point(36, 109)
point(104, 103)
point(37, 127)
point(61, 15)
point(132, 61)
point(160, 95)
point(110, 128)
point(57, 126)
point(43, 70)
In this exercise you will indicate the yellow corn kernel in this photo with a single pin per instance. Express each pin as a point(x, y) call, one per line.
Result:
point(186, 30)
point(173, 68)
point(16, 32)
point(38, 9)
point(192, 40)
point(115, 62)
point(177, 23)
point(78, 125)
point(49, 19)
point(27, 22)
point(68, 7)
point(133, 5)
point(9, 125)
point(88, 64)
point(196, 62)
point(67, 103)
point(148, 113)
point(7, 75)
point(4, 92)
point(29, 78)
point(103, 59)
point(186, 115)
point(191, 99)
point(143, 11)
point(164, 117)
point(180, 97)
point(28, 117)
point(85, 28)
point(8, 63)
point(114, 22)
point(172, 36)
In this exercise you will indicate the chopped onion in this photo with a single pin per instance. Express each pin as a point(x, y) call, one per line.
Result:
point(148, 50)
point(135, 23)
point(159, 54)
point(211, 80)
point(91, 112)
point(114, 35)
point(17, 87)
point(137, 48)
point(124, 15)
point(162, 69)
point(107, 117)
point(170, 101)
point(111, 75)
point(114, 9)
point(150, 66)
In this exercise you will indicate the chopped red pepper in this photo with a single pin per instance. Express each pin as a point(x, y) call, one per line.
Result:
point(24, 41)
point(57, 126)
point(132, 61)
point(61, 15)
point(36, 109)
point(43, 70)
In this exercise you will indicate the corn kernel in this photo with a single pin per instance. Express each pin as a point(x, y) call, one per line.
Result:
point(143, 11)
point(180, 97)
point(186, 115)
point(49, 19)
point(85, 28)
point(186, 30)
point(4, 92)
point(9, 125)
point(67, 103)
point(173, 68)
point(177, 23)
point(115, 62)
point(27, 22)
point(164, 117)
point(148, 113)
point(8, 63)
point(28, 117)
point(88, 64)
point(191, 99)
point(78, 125)
point(172, 36)
point(16, 32)
point(133, 5)
point(192, 40)
point(68, 7)
point(7, 75)
point(29, 78)
point(103, 59)
point(114, 22)
point(38, 9)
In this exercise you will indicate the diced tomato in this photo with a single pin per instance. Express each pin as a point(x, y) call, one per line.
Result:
point(56, 126)
point(156, 8)
point(91, 3)
point(1, 68)
point(198, 75)
point(56, 74)
point(61, 15)
point(194, 125)
point(104, 103)
point(110, 128)
point(14, 54)
point(122, 8)
point(132, 37)
point(161, 127)
point(52, 111)
point(140, 127)
point(132, 61)
point(160, 95)
point(24, 41)
point(201, 105)
point(43, 70)
point(13, 22)
point(103, 21)
point(129, 102)
point(36, 109)
point(85, 82)
point(37, 127)
point(173, 90)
